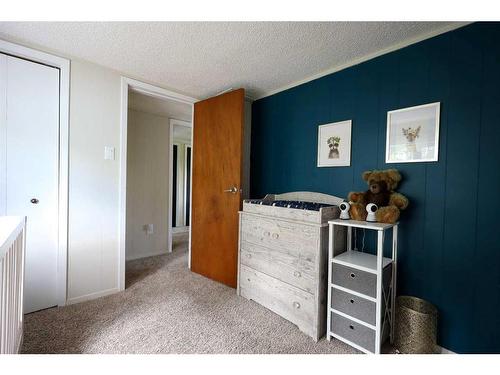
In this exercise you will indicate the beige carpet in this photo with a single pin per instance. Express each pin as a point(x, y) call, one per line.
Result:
point(168, 309)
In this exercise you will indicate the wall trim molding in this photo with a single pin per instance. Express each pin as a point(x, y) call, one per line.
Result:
point(445, 351)
point(153, 254)
point(368, 57)
point(184, 229)
point(91, 296)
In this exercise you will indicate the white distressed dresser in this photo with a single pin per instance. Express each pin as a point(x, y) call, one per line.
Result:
point(283, 254)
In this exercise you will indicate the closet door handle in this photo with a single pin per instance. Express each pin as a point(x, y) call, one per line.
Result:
point(232, 190)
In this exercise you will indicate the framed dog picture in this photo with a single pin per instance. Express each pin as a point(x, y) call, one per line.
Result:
point(334, 144)
point(413, 134)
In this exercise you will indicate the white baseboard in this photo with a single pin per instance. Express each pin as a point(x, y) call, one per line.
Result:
point(440, 350)
point(445, 351)
point(88, 297)
point(20, 344)
point(140, 256)
point(180, 230)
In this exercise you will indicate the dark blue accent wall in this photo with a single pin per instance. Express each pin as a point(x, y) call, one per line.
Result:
point(449, 237)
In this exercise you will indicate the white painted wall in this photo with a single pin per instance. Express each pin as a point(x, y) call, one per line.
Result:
point(93, 182)
point(93, 218)
point(147, 184)
point(93, 222)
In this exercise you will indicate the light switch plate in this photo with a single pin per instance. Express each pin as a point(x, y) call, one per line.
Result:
point(109, 153)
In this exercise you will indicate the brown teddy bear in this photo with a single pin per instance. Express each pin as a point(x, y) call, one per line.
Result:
point(381, 192)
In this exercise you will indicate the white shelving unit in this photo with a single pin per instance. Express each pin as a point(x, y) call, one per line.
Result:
point(382, 301)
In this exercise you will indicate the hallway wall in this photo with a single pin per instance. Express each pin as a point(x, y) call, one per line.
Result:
point(147, 184)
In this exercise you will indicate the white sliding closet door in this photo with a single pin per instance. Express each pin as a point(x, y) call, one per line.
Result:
point(29, 169)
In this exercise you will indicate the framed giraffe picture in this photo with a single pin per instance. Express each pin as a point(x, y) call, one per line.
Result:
point(334, 144)
point(413, 134)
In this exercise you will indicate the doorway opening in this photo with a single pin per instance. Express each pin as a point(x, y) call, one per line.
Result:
point(151, 205)
point(219, 182)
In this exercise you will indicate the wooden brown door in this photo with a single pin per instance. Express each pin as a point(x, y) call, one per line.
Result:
point(217, 178)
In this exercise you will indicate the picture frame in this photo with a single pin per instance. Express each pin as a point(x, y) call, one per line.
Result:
point(334, 144)
point(413, 134)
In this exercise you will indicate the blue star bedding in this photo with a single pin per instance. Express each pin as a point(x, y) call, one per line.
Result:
point(300, 205)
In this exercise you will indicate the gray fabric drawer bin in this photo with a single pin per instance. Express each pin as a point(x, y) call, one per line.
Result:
point(354, 279)
point(354, 306)
point(354, 332)
point(360, 281)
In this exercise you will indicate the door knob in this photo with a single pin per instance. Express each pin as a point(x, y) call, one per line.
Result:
point(232, 190)
point(34, 201)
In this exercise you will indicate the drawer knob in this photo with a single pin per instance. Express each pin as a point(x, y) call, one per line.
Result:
point(249, 256)
point(351, 326)
point(352, 301)
point(296, 305)
point(297, 274)
point(276, 236)
point(353, 275)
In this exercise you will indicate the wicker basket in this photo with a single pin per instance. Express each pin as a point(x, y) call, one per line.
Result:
point(416, 326)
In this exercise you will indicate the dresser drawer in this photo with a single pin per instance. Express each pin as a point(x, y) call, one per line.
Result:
point(291, 303)
point(296, 239)
point(354, 279)
point(354, 332)
point(357, 307)
point(281, 265)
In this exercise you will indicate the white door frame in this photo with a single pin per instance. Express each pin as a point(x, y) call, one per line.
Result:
point(64, 77)
point(172, 123)
point(157, 92)
point(186, 146)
